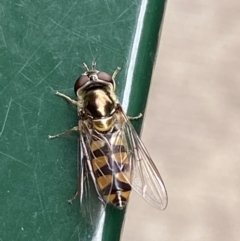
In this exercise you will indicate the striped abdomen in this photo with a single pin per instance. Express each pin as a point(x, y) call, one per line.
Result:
point(111, 168)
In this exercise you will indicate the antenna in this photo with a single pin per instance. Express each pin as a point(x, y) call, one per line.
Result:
point(85, 66)
point(93, 64)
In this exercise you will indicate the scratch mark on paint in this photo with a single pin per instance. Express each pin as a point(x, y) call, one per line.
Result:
point(109, 9)
point(43, 42)
point(24, 126)
point(39, 196)
point(69, 30)
point(6, 116)
point(119, 16)
point(14, 159)
point(3, 37)
point(26, 77)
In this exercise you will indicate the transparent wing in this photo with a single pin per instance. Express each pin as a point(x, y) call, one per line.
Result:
point(145, 178)
point(91, 201)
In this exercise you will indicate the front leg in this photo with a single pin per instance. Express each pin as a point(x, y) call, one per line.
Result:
point(67, 98)
point(115, 72)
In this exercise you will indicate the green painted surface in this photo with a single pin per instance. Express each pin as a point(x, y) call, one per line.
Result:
point(42, 47)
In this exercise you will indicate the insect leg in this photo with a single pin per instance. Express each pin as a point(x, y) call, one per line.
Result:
point(78, 191)
point(135, 117)
point(115, 72)
point(70, 201)
point(125, 117)
point(75, 128)
point(67, 98)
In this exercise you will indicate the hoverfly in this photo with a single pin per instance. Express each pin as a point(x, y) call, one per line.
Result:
point(112, 156)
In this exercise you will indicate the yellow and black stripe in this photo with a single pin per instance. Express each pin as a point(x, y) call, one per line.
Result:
point(111, 167)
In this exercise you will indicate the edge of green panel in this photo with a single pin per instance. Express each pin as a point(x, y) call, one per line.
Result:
point(138, 78)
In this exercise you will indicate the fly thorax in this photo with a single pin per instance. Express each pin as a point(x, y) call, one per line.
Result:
point(103, 125)
point(101, 107)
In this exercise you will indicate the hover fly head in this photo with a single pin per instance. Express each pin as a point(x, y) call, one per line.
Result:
point(94, 78)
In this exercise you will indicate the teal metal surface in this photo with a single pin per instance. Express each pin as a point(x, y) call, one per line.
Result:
point(42, 47)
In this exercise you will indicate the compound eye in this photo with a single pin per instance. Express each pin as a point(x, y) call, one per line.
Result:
point(105, 77)
point(81, 81)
